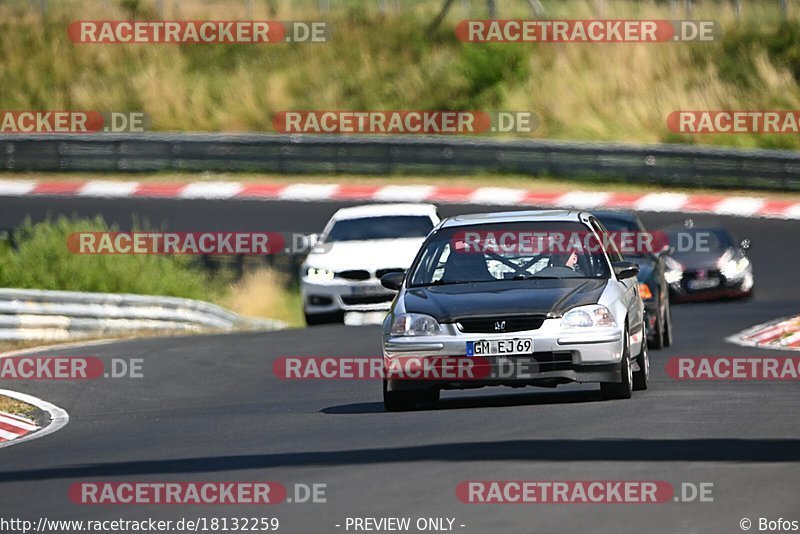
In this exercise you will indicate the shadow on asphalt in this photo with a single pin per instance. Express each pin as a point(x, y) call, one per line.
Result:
point(556, 450)
point(472, 402)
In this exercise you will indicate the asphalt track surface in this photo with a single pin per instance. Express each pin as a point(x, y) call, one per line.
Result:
point(210, 409)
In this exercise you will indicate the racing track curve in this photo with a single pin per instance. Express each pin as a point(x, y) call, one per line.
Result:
point(209, 409)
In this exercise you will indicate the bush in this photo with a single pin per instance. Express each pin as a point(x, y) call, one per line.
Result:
point(36, 257)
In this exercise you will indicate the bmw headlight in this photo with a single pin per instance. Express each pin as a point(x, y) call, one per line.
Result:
point(316, 274)
point(415, 324)
point(584, 316)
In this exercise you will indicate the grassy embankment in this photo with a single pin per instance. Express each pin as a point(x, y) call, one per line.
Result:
point(40, 259)
point(611, 92)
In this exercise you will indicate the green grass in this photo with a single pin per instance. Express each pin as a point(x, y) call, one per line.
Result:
point(36, 256)
point(42, 260)
point(611, 92)
point(13, 406)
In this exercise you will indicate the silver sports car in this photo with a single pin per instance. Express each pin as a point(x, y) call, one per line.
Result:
point(516, 298)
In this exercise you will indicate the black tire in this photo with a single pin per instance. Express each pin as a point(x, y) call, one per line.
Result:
point(657, 343)
point(624, 388)
point(399, 401)
point(314, 319)
point(641, 378)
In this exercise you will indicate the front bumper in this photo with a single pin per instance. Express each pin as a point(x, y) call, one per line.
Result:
point(559, 356)
point(344, 295)
point(684, 291)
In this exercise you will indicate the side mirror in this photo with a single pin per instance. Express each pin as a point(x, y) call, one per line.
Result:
point(393, 281)
point(625, 269)
point(745, 244)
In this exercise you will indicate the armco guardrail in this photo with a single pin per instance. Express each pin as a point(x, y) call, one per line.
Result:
point(660, 164)
point(30, 314)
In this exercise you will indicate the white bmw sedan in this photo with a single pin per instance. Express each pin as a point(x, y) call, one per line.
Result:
point(358, 246)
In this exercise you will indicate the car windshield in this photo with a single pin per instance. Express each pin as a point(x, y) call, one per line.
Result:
point(516, 251)
point(699, 239)
point(387, 227)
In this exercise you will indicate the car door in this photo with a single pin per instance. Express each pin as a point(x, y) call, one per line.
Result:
point(631, 298)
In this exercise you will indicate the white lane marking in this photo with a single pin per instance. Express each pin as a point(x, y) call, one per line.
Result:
point(16, 187)
point(406, 193)
point(667, 201)
point(308, 192)
point(101, 188)
point(505, 196)
point(583, 199)
point(212, 190)
point(661, 202)
point(58, 417)
point(60, 346)
point(15, 421)
point(744, 206)
point(9, 436)
point(792, 212)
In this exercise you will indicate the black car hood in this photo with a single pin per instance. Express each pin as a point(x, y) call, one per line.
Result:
point(448, 303)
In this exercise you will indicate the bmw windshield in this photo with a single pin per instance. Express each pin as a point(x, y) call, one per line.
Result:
point(387, 227)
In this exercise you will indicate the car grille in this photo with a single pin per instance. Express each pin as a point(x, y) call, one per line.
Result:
point(367, 299)
point(380, 272)
point(553, 361)
point(512, 324)
point(357, 274)
point(710, 273)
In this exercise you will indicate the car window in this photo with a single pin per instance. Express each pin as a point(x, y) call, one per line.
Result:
point(388, 227)
point(613, 252)
point(487, 253)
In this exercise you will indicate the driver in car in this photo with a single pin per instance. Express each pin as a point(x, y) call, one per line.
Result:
point(570, 261)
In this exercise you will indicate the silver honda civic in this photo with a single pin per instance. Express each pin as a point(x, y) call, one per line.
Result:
point(537, 298)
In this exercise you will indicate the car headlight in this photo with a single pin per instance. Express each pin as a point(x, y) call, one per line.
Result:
point(733, 269)
point(316, 274)
point(584, 316)
point(415, 324)
point(674, 272)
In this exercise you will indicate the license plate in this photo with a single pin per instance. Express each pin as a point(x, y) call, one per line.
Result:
point(703, 283)
point(499, 347)
point(366, 291)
